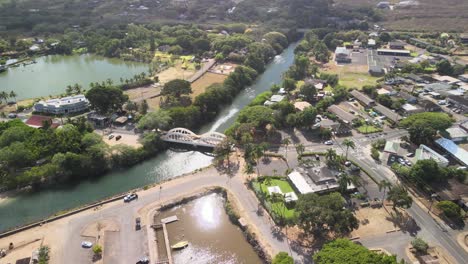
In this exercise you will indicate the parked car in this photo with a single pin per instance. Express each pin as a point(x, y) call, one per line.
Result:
point(392, 159)
point(111, 137)
point(409, 155)
point(86, 244)
point(130, 197)
point(117, 138)
point(328, 142)
point(138, 223)
point(144, 260)
point(408, 163)
point(12, 115)
point(442, 102)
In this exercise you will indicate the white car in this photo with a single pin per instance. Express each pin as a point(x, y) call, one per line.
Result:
point(130, 197)
point(86, 244)
point(328, 142)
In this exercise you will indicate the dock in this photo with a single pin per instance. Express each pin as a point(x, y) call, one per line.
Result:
point(168, 246)
point(169, 219)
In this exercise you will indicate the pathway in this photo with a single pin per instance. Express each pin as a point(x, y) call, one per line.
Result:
point(202, 71)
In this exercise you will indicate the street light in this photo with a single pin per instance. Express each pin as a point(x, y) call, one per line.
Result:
point(433, 196)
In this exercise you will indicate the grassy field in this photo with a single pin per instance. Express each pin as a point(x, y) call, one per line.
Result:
point(368, 129)
point(200, 85)
point(278, 208)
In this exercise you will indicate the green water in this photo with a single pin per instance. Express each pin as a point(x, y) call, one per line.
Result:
point(51, 74)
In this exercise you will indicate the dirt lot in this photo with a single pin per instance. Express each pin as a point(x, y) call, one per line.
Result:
point(127, 139)
point(206, 80)
point(175, 72)
point(373, 221)
point(225, 68)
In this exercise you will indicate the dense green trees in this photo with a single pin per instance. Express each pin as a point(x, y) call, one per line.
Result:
point(450, 210)
point(176, 88)
point(400, 197)
point(282, 258)
point(423, 127)
point(105, 99)
point(343, 251)
point(159, 119)
point(319, 215)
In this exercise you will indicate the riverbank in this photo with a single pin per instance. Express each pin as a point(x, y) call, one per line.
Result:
point(64, 235)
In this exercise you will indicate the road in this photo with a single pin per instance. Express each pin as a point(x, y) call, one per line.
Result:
point(131, 242)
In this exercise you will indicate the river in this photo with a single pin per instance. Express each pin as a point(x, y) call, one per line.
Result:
point(51, 74)
point(31, 207)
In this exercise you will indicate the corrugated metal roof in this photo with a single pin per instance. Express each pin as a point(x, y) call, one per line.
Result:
point(452, 148)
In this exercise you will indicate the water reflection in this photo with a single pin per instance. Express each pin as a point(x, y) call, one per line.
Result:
point(212, 237)
point(207, 212)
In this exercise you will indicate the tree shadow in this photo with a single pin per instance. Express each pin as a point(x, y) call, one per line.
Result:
point(277, 233)
point(404, 221)
point(230, 169)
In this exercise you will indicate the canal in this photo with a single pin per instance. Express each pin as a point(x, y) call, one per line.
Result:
point(51, 74)
point(26, 208)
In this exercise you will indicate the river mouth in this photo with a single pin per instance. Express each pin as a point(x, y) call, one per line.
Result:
point(212, 237)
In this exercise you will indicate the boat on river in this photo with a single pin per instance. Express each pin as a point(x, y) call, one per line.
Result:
point(180, 245)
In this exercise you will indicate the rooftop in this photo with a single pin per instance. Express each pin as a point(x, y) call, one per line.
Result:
point(438, 86)
point(394, 51)
point(392, 147)
point(388, 113)
point(425, 153)
point(341, 114)
point(456, 132)
point(301, 105)
point(445, 78)
point(452, 148)
point(362, 97)
point(342, 50)
point(37, 121)
point(59, 102)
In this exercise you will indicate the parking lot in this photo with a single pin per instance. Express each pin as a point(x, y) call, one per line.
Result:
point(359, 58)
point(383, 60)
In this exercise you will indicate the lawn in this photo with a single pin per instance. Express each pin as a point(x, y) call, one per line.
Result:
point(357, 80)
point(278, 208)
point(368, 129)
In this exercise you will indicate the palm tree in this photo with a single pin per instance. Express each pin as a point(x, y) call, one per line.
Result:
point(109, 82)
point(384, 185)
point(330, 154)
point(4, 96)
point(344, 180)
point(13, 95)
point(69, 90)
point(77, 88)
point(348, 144)
point(300, 149)
point(257, 153)
point(278, 198)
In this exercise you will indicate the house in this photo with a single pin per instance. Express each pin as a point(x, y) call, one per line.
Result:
point(396, 45)
point(38, 121)
point(387, 112)
point(463, 77)
point(344, 116)
point(315, 180)
point(362, 98)
point(337, 128)
point(408, 97)
point(455, 151)
point(415, 78)
point(445, 79)
point(464, 38)
point(376, 70)
point(425, 153)
point(430, 106)
point(409, 109)
point(383, 5)
point(437, 87)
point(456, 134)
point(99, 121)
point(459, 102)
point(371, 43)
point(342, 55)
point(300, 106)
point(394, 52)
point(63, 106)
point(392, 147)
point(274, 99)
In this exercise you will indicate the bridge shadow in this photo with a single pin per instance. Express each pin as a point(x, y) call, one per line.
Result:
point(181, 148)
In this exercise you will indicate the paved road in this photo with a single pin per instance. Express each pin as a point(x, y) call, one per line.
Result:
point(125, 213)
point(202, 71)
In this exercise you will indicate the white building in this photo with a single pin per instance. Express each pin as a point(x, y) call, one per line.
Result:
point(65, 105)
point(425, 153)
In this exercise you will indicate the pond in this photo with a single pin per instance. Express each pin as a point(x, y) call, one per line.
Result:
point(51, 74)
point(212, 237)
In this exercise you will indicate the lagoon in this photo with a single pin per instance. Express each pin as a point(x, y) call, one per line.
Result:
point(51, 74)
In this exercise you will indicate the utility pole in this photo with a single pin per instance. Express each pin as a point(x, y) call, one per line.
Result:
point(433, 196)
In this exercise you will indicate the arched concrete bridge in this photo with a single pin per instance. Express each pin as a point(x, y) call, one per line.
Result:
point(185, 136)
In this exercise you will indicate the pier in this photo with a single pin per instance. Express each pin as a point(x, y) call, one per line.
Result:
point(162, 225)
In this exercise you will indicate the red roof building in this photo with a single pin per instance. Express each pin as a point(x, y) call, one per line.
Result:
point(37, 121)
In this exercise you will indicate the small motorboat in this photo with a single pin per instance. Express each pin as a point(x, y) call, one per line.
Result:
point(180, 245)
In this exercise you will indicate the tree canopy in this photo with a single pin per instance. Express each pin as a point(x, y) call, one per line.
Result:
point(176, 88)
point(423, 127)
point(106, 100)
point(320, 214)
point(343, 251)
point(282, 258)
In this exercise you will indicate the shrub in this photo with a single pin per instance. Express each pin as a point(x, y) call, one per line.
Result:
point(420, 245)
point(450, 210)
point(375, 154)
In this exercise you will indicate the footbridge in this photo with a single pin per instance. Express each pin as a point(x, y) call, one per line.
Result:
point(184, 136)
